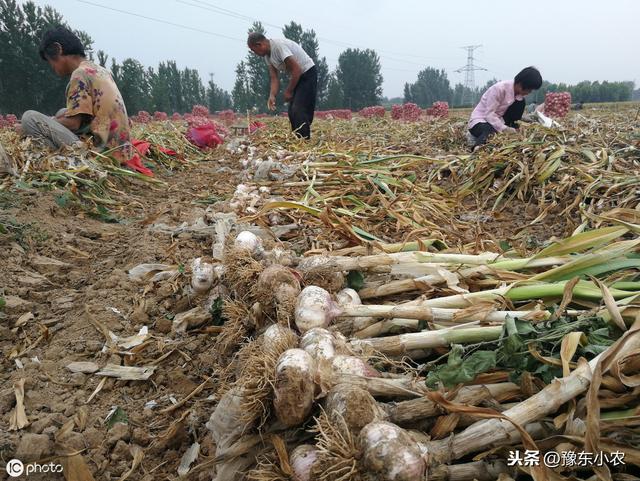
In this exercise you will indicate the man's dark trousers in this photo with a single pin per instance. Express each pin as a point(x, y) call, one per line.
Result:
point(303, 103)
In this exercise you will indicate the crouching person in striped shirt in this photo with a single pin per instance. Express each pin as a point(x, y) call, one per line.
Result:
point(502, 106)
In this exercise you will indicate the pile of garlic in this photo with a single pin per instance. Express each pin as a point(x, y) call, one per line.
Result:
point(248, 198)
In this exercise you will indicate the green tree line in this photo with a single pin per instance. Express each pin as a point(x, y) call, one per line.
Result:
point(166, 89)
point(587, 91)
point(26, 82)
point(433, 85)
point(355, 83)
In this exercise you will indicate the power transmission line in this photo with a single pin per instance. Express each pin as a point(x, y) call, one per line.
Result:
point(159, 20)
point(228, 37)
point(224, 11)
point(346, 27)
point(469, 78)
point(208, 32)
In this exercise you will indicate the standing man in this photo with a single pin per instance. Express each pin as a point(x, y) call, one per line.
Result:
point(94, 108)
point(285, 55)
point(502, 105)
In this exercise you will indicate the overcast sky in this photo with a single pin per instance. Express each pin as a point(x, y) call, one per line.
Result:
point(568, 41)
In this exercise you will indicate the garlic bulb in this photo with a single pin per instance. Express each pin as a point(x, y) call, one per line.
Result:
point(348, 297)
point(352, 365)
point(202, 275)
point(276, 340)
point(279, 282)
point(314, 308)
point(390, 453)
point(354, 405)
point(249, 241)
point(279, 255)
point(274, 333)
point(302, 459)
point(318, 342)
point(294, 387)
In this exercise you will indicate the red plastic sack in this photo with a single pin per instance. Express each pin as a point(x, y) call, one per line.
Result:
point(134, 163)
point(374, 111)
point(557, 104)
point(204, 136)
point(144, 147)
point(200, 111)
point(141, 146)
point(438, 109)
point(408, 112)
point(143, 117)
point(170, 152)
point(9, 121)
point(255, 126)
point(227, 116)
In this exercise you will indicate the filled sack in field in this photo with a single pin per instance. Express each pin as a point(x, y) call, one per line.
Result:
point(204, 136)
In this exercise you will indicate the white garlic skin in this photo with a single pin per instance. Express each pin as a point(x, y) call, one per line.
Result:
point(314, 308)
point(249, 241)
point(202, 275)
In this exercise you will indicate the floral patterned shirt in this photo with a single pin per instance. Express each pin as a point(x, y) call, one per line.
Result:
point(93, 92)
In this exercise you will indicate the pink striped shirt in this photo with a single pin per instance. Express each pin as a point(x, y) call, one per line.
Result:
point(493, 104)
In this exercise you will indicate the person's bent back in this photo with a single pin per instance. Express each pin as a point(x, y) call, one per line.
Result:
point(94, 106)
point(502, 106)
point(285, 55)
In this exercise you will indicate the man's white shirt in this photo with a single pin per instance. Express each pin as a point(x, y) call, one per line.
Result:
point(282, 48)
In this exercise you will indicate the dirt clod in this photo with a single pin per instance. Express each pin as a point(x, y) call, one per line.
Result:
point(33, 447)
point(118, 432)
